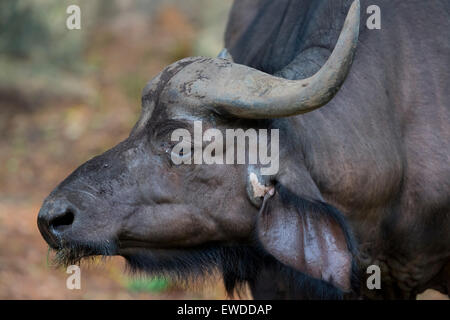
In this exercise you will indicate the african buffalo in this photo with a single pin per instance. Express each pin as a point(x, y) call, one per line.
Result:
point(364, 180)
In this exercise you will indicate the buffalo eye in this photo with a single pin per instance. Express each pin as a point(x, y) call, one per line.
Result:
point(179, 156)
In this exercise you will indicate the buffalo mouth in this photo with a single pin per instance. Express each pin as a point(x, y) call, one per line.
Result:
point(72, 253)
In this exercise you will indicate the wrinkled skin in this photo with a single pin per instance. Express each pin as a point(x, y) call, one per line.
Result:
point(374, 152)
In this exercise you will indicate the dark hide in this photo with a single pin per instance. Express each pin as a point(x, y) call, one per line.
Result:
point(380, 150)
point(301, 26)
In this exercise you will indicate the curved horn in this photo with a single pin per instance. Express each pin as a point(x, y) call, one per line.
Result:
point(248, 93)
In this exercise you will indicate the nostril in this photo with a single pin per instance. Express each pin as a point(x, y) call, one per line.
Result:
point(62, 221)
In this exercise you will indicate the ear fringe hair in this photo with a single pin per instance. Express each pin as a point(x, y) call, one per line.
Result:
point(303, 287)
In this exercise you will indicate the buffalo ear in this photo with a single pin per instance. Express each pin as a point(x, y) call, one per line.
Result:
point(306, 235)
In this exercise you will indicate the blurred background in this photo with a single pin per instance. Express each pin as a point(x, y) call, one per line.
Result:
point(68, 95)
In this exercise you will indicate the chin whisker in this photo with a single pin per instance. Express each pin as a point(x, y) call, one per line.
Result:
point(75, 252)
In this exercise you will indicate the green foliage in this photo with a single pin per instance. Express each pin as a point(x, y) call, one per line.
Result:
point(35, 31)
point(39, 57)
point(20, 28)
point(148, 285)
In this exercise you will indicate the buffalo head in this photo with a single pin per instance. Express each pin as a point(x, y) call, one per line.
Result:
point(135, 202)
